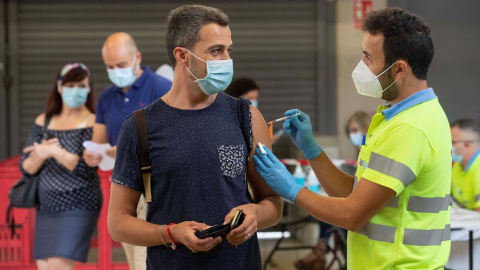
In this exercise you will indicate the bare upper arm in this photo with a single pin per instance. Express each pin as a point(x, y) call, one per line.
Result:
point(99, 133)
point(123, 200)
point(260, 134)
point(40, 120)
point(366, 200)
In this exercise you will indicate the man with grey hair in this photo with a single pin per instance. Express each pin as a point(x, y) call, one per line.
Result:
point(466, 168)
point(200, 140)
point(133, 88)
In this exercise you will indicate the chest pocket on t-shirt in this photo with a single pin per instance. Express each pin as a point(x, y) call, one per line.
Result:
point(231, 159)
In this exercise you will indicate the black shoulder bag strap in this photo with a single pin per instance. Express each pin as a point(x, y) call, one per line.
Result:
point(144, 155)
point(242, 120)
point(246, 134)
point(45, 127)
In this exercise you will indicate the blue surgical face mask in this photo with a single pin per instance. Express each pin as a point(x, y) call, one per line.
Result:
point(219, 75)
point(123, 77)
point(356, 138)
point(74, 97)
point(456, 157)
point(254, 103)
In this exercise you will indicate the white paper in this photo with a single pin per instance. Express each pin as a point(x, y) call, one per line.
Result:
point(464, 214)
point(107, 162)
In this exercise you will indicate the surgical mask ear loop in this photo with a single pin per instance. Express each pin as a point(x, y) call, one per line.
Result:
point(386, 70)
point(196, 79)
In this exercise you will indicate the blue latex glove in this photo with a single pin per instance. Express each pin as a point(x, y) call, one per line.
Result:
point(276, 174)
point(300, 130)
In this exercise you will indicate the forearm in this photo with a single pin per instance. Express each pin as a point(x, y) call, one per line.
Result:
point(32, 164)
point(335, 211)
point(132, 230)
point(335, 182)
point(269, 211)
point(67, 159)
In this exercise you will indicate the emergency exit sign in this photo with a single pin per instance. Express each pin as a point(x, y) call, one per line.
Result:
point(360, 10)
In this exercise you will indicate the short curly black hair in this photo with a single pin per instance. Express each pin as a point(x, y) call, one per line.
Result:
point(407, 37)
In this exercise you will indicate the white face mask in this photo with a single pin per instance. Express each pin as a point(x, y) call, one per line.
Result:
point(367, 82)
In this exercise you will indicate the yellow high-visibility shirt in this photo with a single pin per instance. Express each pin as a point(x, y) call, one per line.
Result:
point(407, 149)
point(466, 183)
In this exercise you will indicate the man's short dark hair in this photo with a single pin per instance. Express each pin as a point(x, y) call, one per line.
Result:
point(240, 87)
point(184, 23)
point(407, 37)
point(468, 125)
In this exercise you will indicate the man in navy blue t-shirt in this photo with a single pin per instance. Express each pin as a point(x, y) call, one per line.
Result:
point(200, 140)
point(133, 88)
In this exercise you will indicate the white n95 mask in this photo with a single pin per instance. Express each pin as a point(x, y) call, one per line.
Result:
point(367, 82)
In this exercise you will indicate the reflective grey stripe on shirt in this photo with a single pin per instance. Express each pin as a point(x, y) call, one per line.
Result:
point(391, 168)
point(378, 232)
point(428, 205)
point(433, 237)
point(393, 203)
point(477, 197)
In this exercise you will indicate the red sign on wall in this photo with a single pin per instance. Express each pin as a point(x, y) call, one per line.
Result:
point(360, 10)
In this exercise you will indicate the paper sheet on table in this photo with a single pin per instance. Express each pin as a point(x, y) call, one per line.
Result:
point(107, 162)
point(463, 214)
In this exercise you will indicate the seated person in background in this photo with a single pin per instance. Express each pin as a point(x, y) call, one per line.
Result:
point(355, 129)
point(246, 88)
point(466, 167)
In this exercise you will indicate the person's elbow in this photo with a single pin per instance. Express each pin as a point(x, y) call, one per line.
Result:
point(272, 211)
point(114, 226)
point(278, 202)
point(354, 224)
point(28, 170)
point(353, 219)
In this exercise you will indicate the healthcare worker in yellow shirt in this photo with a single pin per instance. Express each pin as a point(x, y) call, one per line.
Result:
point(466, 169)
point(396, 207)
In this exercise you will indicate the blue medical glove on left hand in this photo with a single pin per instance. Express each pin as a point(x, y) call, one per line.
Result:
point(276, 175)
point(300, 130)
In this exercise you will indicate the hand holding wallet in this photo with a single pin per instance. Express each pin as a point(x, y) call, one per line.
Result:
point(222, 230)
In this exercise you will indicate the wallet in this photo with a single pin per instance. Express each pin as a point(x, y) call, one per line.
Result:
point(223, 229)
